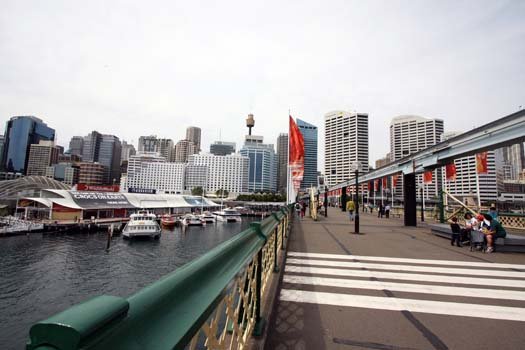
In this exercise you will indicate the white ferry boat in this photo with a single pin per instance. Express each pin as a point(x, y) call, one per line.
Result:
point(193, 220)
point(228, 215)
point(208, 217)
point(142, 224)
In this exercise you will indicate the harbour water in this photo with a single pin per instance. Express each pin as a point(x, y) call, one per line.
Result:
point(41, 275)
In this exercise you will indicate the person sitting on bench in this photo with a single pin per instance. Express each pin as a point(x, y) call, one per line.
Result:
point(493, 232)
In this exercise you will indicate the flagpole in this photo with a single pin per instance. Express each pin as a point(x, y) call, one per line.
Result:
point(479, 194)
point(288, 163)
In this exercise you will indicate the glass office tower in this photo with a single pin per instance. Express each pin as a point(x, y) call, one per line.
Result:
point(21, 132)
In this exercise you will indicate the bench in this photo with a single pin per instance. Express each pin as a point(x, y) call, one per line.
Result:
point(511, 243)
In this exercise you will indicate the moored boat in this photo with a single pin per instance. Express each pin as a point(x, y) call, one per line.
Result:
point(193, 220)
point(168, 221)
point(228, 215)
point(142, 224)
point(208, 217)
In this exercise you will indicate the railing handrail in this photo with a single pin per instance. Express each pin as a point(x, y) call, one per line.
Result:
point(164, 315)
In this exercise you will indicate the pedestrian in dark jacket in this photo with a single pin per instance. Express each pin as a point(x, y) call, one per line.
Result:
point(456, 232)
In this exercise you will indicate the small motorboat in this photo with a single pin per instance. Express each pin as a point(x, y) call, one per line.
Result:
point(167, 220)
point(208, 217)
point(193, 220)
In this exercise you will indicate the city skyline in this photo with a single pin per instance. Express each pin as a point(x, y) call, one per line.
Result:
point(423, 58)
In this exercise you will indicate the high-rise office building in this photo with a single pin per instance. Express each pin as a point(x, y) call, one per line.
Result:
point(41, 155)
point(91, 173)
point(262, 174)
point(67, 173)
point(410, 134)
point(282, 162)
point(221, 148)
point(2, 141)
point(21, 132)
point(193, 134)
point(346, 142)
point(183, 149)
point(513, 161)
point(106, 150)
point(309, 132)
point(164, 147)
point(229, 172)
point(467, 180)
point(127, 150)
point(149, 172)
point(91, 147)
point(109, 156)
point(76, 145)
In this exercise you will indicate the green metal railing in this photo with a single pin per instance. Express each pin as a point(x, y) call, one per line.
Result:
point(213, 302)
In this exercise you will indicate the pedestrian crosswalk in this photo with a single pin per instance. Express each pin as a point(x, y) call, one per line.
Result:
point(423, 278)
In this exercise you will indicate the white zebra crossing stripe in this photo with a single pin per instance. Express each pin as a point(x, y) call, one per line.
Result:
point(412, 305)
point(405, 287)
point(408, 268)
point(405, 260)
point(406, 276)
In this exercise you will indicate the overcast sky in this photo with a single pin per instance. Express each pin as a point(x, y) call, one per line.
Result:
point(133, 68)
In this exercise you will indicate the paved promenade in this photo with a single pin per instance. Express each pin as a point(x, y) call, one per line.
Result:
point(394, 288)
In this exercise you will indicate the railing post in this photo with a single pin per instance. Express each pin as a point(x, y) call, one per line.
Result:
point(275, 243)
point(259, 320)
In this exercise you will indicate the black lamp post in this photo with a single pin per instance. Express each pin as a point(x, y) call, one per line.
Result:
point(356, 222)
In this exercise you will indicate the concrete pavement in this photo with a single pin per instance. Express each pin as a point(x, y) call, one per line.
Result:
point(394, 287)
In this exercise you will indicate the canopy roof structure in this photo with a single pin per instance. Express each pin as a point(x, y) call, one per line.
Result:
point(28, 186)
point(87, 200)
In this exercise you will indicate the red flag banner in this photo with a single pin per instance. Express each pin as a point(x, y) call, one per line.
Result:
point(395, 178)
point(371, 185)
point(427, 177)
point(296, 155)
point(450, 171)
point(376, 185)
point(481, 163)
point(384, 183)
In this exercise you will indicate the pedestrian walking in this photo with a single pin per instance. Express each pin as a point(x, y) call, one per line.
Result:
point(456, 232)
point(387, 210)
point(350, 208)
point(380, 211)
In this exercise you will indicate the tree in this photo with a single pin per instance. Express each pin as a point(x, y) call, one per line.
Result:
point(222, 193)
point(197, 191)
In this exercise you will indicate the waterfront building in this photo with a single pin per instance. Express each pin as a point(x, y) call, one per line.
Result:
point(183, 149)
point(4, 175)
point(346, 141)
point(221, 148)
point(91, 173)
point(410, 134)
point(193, 134)
point(76, 145)
point(309, 132)
point(467, 180)
point(229, 172)
point(262, 174)
point(164, 147)
point(282, 162)
point(127, 150)
point(41, 155)
point(513, 161)
point(67, 173)
point(21, 132)
point(150, 172)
